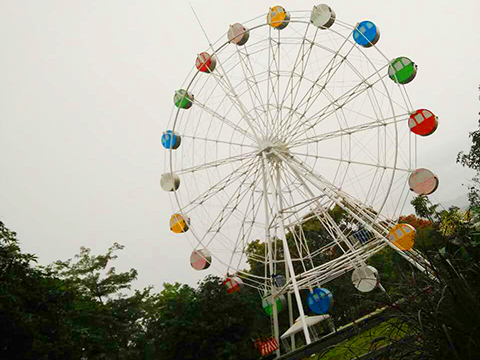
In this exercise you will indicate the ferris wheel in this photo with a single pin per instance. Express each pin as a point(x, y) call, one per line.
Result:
point(285, 118)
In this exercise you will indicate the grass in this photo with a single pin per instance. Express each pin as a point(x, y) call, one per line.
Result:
point(383, 334)
point(378, 311)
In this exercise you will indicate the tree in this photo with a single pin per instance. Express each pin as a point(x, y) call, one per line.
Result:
point(112, 322)
point(472, 161)
point(36, 308)
point(86, 273)
point(472, 158)
point(205, 323)
point(442, 313)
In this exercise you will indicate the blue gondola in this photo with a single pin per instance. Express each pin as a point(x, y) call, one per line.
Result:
point(320, 301)
point(171, 140)
point(362, 235)
point(366, 34)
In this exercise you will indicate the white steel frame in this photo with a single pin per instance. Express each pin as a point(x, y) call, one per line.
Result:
point(264, 139)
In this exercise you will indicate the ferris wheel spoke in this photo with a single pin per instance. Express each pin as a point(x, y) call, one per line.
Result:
point(350, 130)
point(371, 97)
point(328, 189)
point(341, 116)
point(337, 267)
point(386, 95)
point(273, 83)
point(291, 211)
point(339, 103)
point(353, 207)
point(224, 120)
point(352, 110)
point(273, 59)
point(230, 208)
point(334, 106)
point(230, 143)
point(296, 229)
point(322, 214)
point(327, 75)
point(217, 163)
point(224, 80)
point(252, 84)
point(307, 202)
point(248, 217)
point(219, 186)
point(338, 235)
point(350, 257)
point(278, 111)
point(370, 94)
point(376, 166)
point(371, 220)
point(331, 67)
point(292, 189)
point(302, 60)
point(297, 240)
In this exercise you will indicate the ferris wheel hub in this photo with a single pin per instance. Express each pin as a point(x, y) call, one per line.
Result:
point(271, 148)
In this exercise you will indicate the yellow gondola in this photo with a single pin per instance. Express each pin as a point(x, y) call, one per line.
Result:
point(179, 223)
point(402, 236)
point(278, 17)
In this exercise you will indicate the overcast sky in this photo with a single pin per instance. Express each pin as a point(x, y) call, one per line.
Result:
point(86, 91)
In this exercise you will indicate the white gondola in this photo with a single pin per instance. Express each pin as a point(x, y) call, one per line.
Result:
point(170, 182)
point(322, 16)
point(365, 278)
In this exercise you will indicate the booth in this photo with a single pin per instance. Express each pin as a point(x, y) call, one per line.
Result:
point(318, 327)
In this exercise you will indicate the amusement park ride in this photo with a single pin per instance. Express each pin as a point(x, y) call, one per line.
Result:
point(285, 118)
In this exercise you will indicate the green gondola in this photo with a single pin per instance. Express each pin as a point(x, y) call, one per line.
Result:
point(402, 70)
point(183, 99)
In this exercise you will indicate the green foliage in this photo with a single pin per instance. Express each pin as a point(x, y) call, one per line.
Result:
point(111, 323)
point(424, 208)
point(428, 236)
point(443, 315)
point(35, 308)
point(74, 310)
point(316, 235)
point(10, 250)
point(68, 310)
point(256, 249)
point(204, 323)
point(349, 304)
point(472, 158)
point(85, 274)
point(369, 340)
point(472, 161)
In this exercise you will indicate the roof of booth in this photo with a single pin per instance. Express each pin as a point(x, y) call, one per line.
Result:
point(297, 326)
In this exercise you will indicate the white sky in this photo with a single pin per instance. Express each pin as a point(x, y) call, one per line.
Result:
point(86, 91)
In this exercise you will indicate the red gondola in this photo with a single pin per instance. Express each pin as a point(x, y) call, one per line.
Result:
point(233, 284)
point(423, 122)
point(205, 62)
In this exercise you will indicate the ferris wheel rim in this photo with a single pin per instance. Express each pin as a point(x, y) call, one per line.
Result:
point(216, 52)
